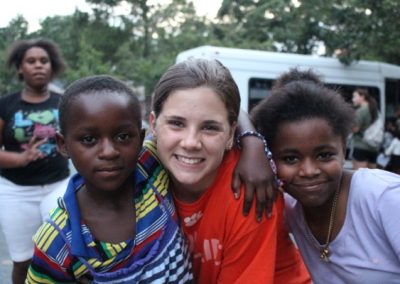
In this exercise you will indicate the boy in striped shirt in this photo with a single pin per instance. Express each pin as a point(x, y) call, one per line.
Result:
point(117, 222)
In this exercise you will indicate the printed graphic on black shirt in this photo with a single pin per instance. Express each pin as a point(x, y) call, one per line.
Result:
point(40, 124)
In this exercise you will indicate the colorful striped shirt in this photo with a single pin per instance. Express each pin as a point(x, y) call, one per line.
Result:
point(67, 252)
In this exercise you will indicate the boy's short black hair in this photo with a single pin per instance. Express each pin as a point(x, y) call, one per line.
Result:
point(299, 95)
point(99, 85)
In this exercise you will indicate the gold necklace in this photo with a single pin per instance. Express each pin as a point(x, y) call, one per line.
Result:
point(324, 251)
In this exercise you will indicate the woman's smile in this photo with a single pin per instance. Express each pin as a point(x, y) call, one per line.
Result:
point(188, 160)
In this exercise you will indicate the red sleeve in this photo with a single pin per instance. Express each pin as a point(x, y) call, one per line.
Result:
point(250, 248)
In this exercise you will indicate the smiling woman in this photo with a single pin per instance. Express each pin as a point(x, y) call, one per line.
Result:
point(196, 105)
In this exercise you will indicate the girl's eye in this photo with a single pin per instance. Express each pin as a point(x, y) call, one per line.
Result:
point(326, 155)
point(175, 123)
point(44, 60)
point(290, 159)
point(122, 137)
point(211, 127)
point(88, 140)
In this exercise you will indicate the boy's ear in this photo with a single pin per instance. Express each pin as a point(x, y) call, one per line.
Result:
point(61, 145)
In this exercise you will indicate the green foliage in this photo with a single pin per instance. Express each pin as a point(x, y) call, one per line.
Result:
point(91, 62)
point(17, 29)
point(364, 29)
point(348, 29)
point(140, 44)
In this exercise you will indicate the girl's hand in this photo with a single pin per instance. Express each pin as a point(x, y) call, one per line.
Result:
point(253, 169)
point(32, 152)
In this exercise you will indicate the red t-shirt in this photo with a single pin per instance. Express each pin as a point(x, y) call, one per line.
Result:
point(289, 266)
point(226, 246)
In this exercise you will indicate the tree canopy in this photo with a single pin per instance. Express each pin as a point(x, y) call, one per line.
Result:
point(139, 45)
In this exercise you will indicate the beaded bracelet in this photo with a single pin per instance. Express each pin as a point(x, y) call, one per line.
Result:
point(255, 134)
point(268, 153)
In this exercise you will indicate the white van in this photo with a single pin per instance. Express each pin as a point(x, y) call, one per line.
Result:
point(254, 72)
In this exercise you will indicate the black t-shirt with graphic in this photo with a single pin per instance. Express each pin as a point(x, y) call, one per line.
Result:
point(22, 120)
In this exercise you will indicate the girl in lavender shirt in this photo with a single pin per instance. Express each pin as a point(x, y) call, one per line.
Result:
point(346, 223)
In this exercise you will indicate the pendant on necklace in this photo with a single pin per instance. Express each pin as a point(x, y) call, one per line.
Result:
point(324, 254)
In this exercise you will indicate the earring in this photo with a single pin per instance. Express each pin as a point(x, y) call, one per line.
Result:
point(229, 146)
point(154, 134)
point(281, 186)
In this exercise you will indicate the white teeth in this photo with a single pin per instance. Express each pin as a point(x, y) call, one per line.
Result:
point(190, 161)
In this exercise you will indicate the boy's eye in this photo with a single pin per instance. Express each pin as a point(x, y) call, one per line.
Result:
point(122, 137)
point(88, 140)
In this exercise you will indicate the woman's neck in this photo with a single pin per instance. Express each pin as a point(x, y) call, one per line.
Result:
point(186, 194)
point(33, 95)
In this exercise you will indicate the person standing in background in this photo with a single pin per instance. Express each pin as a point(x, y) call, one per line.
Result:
point(33, 173)
point(383, 160)
point(364, 156)
point(393, 151)
point(397, 117)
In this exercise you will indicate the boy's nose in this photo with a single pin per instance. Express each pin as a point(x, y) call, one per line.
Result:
point(108, 150)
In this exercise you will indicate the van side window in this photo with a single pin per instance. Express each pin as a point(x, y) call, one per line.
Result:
point(392, 89)
point(347, 91)
point(258, 89)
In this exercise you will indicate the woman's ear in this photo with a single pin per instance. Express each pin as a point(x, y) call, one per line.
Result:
point(152, 122)
point(20, 74)
point(62, 148)
point(231, 139)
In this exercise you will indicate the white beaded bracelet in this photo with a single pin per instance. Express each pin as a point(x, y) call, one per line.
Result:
point(255, 134)
point(268, 153)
